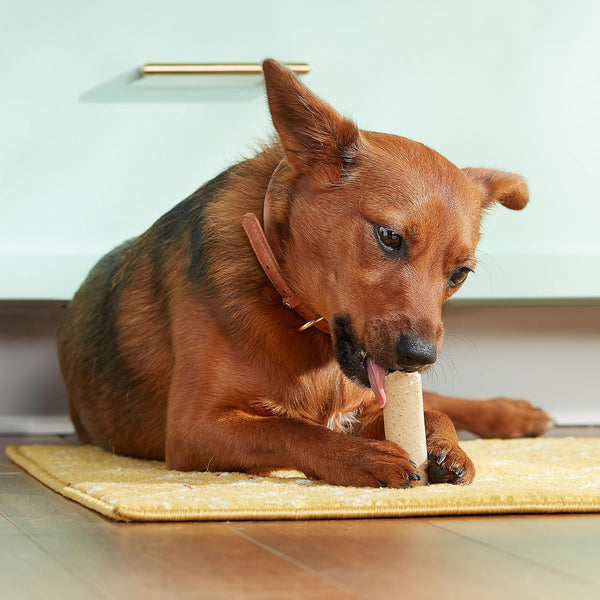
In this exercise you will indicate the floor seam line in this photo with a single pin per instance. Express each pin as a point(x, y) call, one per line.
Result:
point(289, 559)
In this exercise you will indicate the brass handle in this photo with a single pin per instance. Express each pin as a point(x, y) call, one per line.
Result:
point(213, 68)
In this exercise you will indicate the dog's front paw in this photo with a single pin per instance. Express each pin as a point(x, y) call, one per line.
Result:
point(448, 463)
point(367, 463)
point(507, 418)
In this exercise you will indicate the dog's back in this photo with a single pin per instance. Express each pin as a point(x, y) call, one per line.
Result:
point(115, 344)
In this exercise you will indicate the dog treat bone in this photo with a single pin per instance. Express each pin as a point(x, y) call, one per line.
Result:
point(404, 419)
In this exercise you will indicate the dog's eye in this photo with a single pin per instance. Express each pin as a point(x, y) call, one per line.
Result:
point(390, 240)
point(458, 277)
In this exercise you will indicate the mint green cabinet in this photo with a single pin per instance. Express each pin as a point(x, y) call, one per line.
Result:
point(91, 155)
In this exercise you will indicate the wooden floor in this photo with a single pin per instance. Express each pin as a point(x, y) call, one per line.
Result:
point(53, 548)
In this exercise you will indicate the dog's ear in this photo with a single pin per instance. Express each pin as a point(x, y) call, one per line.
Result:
point(497, 186)
point(315, 137)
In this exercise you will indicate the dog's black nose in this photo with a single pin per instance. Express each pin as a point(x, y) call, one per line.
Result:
point(413, 352)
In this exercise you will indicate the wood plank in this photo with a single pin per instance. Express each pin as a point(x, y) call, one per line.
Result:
point(28, 571)
point(34, 508)
point(378, 558)
point(567, 544)
point(155, 559)
point(183, 560)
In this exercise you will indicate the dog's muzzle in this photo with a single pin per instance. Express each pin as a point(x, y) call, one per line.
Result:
point(410, 354)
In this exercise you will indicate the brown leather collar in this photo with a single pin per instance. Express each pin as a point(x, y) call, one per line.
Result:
point(261, 243)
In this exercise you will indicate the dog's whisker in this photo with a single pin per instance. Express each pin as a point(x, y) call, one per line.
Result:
point(433, 374)
point(454, 336)
point(445, 361)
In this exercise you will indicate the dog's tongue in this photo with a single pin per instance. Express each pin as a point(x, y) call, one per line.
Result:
point(376, 376)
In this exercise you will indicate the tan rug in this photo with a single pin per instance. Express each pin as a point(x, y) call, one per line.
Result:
point(547, 475)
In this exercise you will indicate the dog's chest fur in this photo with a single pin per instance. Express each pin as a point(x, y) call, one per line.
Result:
point(323, 396)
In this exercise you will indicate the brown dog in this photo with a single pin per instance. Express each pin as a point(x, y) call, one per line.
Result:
point(178, 346)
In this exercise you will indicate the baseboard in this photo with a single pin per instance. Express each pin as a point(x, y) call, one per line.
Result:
point(35, 424)
point(589, 416)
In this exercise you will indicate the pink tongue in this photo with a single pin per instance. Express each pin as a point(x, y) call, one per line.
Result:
point(376, 377)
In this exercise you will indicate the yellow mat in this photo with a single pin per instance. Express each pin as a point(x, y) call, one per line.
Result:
point(546, 475)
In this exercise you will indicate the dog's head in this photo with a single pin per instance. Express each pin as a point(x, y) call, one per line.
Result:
point(378, 230)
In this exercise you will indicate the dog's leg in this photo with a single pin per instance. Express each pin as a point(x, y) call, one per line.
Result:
point(234, 440)
point(448, 463)
point(495, 418)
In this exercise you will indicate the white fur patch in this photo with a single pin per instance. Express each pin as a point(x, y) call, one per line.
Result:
point(343, 422)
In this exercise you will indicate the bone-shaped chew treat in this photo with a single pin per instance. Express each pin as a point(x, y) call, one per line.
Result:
point(404, 419)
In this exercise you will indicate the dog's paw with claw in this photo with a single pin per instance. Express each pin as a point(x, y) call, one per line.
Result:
point(448, 463)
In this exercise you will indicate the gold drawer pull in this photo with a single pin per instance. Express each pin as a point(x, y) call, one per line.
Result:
point(213, 68)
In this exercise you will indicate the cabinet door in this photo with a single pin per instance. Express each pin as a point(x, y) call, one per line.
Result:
point(91, 155)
